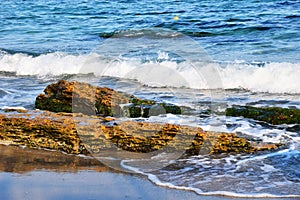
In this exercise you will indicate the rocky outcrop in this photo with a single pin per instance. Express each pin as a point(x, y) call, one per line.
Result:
point(41, 130)
point(79, 134)
point(272, 115)
point(88, 129)
point(78, 97)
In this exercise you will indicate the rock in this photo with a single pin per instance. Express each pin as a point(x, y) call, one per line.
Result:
point(94, 125)
point(81, 134)
point(41, 130)
point(272, 115)
point(78, 97)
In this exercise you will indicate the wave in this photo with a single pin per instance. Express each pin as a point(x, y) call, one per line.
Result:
point(149, 33)
point(281, 77)
point(269, 77)
point(173, 30)
point(234, 184)
point(9, 51)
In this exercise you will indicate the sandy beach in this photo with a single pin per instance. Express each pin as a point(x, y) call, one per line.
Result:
point(39, 174)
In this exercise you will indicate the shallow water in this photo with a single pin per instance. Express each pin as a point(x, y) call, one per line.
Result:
point(36, 174)
point(89, 185)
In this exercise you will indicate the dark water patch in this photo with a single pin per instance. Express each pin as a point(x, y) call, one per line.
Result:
point(294, 128)
point(269, 102)
point(4, 51)
point(160, 13)
point(237, 90)
point(292, 16)
point(24, 17)
point(148, 33)
point(232, 126)
point(14, 76)
point(8, 74)
point(252, 29)
point(220, 26)
point(264, 124)
point(288, 3)
point(3, 93)
point(200, 34)
point(238, 20)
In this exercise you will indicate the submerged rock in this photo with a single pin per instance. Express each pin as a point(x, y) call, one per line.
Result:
point(81, 134)
point(78, 97)
point(272, 115)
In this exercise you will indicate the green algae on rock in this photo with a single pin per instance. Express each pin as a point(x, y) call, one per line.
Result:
point(41, 130)
point(60, 131)
point(65, 96)
point(272, 115)
point(89, 130)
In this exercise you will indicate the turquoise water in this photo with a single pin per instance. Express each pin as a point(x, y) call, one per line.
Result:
point(191, 53)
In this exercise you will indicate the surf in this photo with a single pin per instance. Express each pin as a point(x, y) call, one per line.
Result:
point(160, 71)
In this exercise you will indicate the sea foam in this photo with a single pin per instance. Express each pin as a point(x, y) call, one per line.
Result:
point(268, 77)
point(156, 180)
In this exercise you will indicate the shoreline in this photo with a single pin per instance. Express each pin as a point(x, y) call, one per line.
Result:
point(97, 185)
point(72, 176)
point(70, 167)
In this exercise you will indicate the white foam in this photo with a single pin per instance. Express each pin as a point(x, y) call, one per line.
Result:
point(153, 178)
point(13, 108)
point(158, 182)
point(268, 168)
point(271, 77)
point(47, 64)
point(261, 157)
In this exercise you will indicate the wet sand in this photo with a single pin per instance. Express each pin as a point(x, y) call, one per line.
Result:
point(39, 174)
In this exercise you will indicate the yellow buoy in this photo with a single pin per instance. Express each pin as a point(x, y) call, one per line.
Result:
point(176, 18)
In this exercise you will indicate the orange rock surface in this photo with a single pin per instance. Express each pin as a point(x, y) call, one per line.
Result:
point(79, 134)
point(78, 97)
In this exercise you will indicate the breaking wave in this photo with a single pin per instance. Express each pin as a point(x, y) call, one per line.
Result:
point(281, 77)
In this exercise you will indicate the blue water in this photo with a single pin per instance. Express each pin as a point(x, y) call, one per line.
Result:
point(249, 30)
point(191, 53)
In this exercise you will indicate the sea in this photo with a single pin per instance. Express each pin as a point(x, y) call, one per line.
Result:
point(205, 55)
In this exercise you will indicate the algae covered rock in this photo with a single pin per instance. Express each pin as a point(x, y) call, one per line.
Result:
point(272, 115)
point(65, 96)
point(41, 130)
point(82, 134)
point(57, 97)
point(85, 131)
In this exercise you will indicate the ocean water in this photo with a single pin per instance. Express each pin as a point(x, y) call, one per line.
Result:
point(200, 54)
